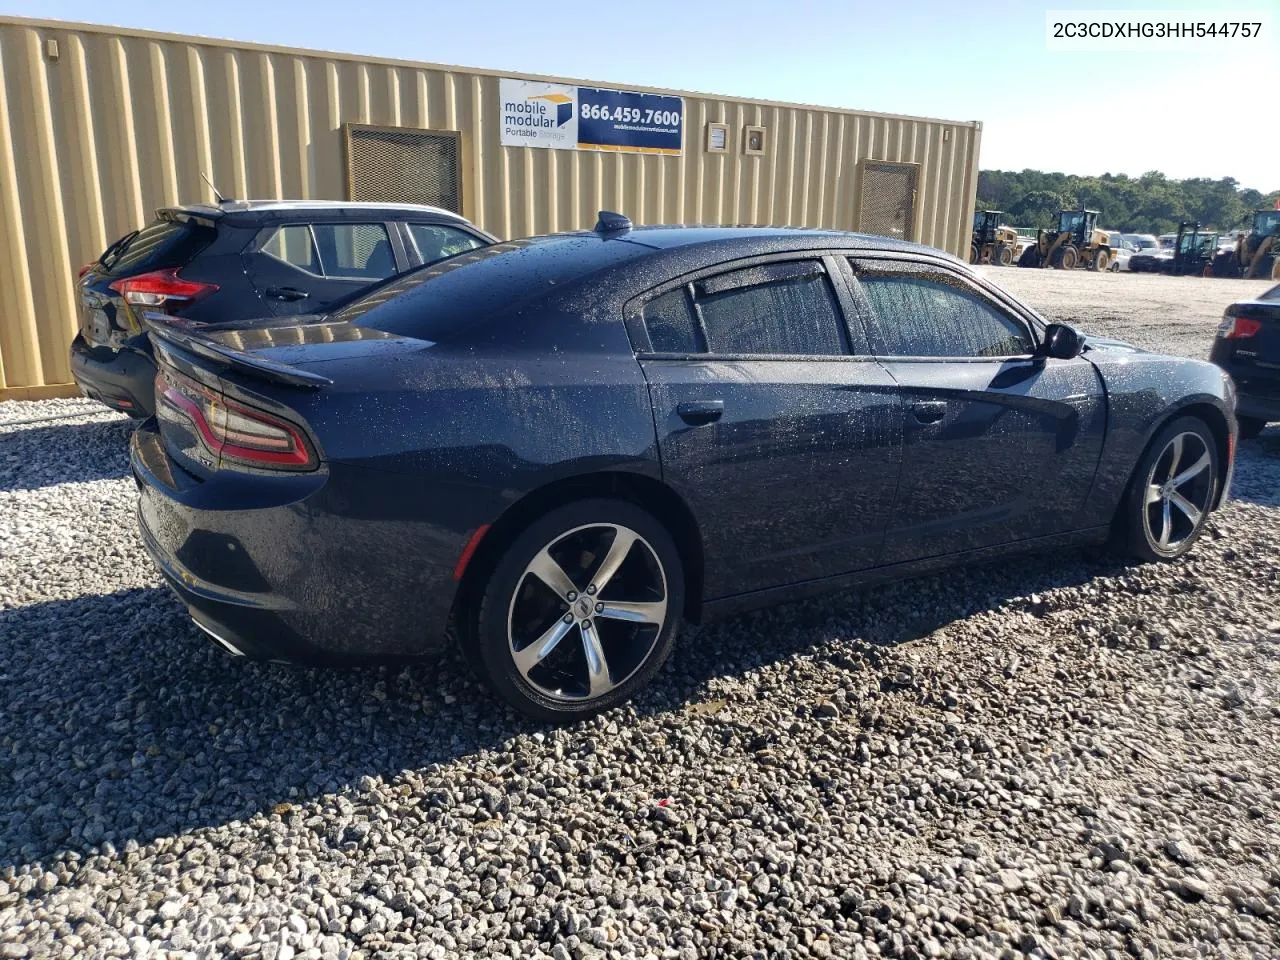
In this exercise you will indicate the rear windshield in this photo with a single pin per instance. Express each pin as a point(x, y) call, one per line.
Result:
point(437, 300)
point(160, 245)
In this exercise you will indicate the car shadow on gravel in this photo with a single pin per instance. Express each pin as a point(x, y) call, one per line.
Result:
point(855, 627)
point(120, 722)
point(45, 455)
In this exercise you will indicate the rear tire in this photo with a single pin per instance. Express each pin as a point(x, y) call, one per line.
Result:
point(1226, 265)
point(619, 631)
point(1163, 512)
point(1249, 427)
point(973, 253)
point(1030, 257)
point(1266, 267)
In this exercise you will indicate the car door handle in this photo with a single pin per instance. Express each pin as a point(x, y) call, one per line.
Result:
point(929, 411)
point(287, 293)
point(698, 413)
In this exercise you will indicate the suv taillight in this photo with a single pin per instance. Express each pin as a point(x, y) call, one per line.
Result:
point(161, 289)
point(1237, 328)
point(231, 430)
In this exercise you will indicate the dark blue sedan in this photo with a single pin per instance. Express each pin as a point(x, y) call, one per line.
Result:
point(567, 444)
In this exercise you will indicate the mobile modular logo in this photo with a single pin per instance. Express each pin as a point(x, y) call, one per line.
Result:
point(538, 109)
point(538, 114)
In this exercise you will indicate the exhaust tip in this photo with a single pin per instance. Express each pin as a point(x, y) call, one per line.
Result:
point(223, 642)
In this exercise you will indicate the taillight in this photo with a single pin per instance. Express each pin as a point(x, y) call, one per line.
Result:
point(231, 430)
point(83, 270)
point(162, 289)
point(1237, 328)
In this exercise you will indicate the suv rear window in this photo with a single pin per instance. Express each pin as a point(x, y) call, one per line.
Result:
point(436, 300)
point(158, 246)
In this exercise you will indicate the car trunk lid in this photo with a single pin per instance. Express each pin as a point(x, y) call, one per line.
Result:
point(222, 387)
point(162, 248)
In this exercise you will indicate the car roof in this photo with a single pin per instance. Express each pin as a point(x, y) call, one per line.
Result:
point(749, 240)
point(589, 273)
point(246, 210)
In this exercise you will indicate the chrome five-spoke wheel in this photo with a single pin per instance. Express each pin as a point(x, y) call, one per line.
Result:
point(1179, 491)
point(587, 612)
point(580, 610)
point(1172, 491)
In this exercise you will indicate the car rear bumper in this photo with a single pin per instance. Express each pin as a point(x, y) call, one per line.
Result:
point(271, 572)
point(122, 379)
point(1257, 387)
point(1258, 407)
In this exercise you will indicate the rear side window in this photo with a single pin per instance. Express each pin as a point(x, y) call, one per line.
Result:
point(787, 309)
point(435, 241)
point(162, 245)
point(293, 245)
point(342, 251)
point(778, 309)
point(360, 251)
point(671, 324)
point(931, 315)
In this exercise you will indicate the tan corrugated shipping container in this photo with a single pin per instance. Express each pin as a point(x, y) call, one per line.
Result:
point(99, 126)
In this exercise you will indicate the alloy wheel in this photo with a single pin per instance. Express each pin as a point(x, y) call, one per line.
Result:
point(587, 612)
point(1178, 493)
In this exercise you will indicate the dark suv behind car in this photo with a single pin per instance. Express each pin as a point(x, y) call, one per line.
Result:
point(237, 261)
point(1248, 348)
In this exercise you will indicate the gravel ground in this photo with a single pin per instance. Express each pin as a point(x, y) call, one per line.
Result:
point(1054, 757)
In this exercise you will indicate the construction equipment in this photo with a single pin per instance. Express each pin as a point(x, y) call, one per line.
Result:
point(992, 242)
point(1257, 253)
point(1193, 252)
point(1076, 243)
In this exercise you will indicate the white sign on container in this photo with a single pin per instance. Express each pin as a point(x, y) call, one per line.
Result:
point(536, 114)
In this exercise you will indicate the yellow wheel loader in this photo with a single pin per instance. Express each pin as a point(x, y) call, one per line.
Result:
point(992, 241)
point(1076, 243)
point(1257, 253)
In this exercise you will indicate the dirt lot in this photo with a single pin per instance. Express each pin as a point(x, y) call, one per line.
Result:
point(1053, 757)
point(1170, 314)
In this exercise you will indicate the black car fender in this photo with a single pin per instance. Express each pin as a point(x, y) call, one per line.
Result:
point(1144, 392)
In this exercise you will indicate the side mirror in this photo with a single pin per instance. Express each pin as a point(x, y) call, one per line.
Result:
point(1061, 342)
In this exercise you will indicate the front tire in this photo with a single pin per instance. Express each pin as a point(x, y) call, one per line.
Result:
point(1173, 487)
point(581, 610)
point(1226, 265)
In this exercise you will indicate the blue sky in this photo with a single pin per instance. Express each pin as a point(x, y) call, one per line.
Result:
point(1186, 113)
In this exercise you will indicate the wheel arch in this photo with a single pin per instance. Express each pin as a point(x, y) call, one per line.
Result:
point(642, 490)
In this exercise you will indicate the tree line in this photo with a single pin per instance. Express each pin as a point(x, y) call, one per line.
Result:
point(1151, 203)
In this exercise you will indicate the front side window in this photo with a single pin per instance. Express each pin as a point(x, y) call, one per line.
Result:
point(435, 241)
point(932, 315)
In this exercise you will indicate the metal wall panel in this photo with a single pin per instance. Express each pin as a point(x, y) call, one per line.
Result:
point(99, 126)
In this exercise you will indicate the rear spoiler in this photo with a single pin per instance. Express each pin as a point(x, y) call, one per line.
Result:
point(226, 358)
